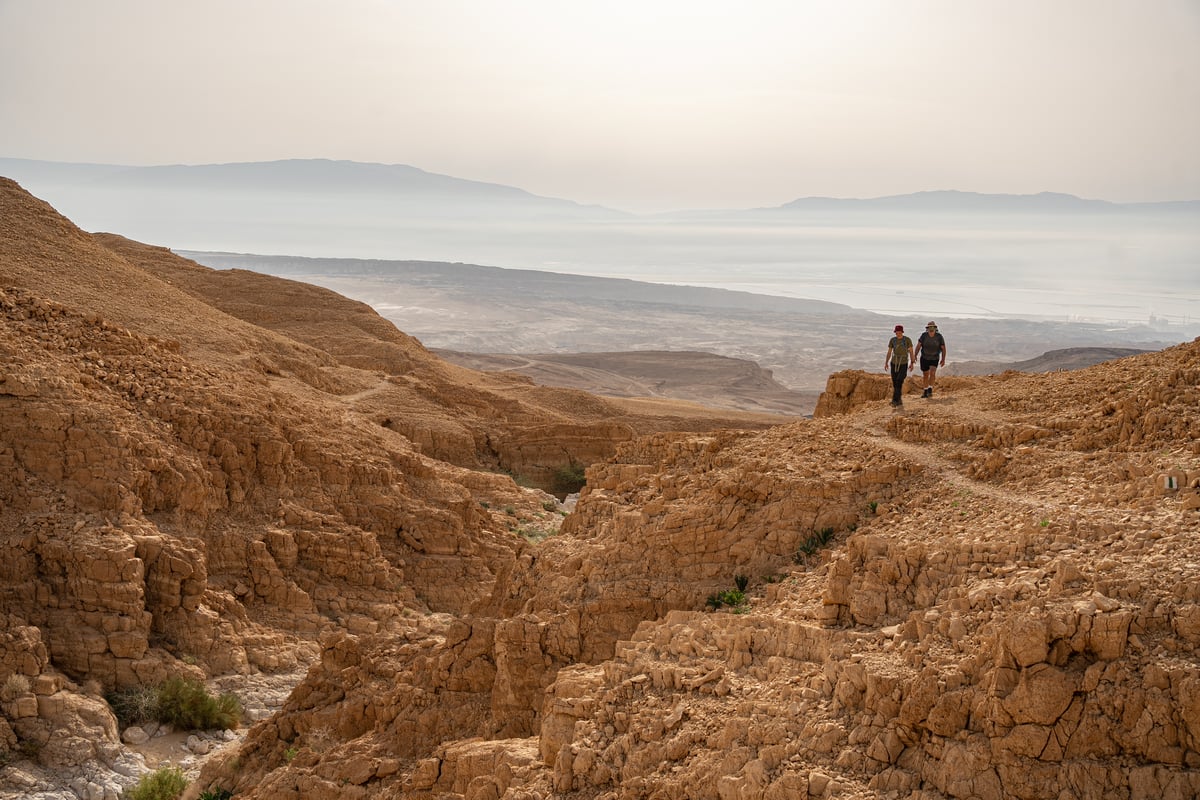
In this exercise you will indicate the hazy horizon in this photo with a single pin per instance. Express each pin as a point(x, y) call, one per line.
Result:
point(644, 107)
point(964, 256)
point(106, 170)
point(648, 107)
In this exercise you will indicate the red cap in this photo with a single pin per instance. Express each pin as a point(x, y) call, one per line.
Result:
point(899, 328)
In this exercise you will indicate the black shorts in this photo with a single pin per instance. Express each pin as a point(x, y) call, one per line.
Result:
point(928, 365)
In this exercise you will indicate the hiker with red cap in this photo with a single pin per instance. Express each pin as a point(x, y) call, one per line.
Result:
point(899, 359)
point(931, 348)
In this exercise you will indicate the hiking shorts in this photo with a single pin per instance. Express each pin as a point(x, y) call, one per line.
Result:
point(928, 365)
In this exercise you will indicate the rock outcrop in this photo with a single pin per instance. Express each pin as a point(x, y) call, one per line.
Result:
point(205, 472)
point(1004, 608)
point(988, 594)
point(846, 391)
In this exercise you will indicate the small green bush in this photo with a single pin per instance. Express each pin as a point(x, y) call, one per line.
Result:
point(736, 598)
point(186, 703)
point(732, 597)
point(812, 544)
point(568, 479)
point(162, 784)
point(216, 793)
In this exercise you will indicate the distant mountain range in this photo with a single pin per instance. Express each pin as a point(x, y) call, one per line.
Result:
point(971, 202)
point(1050, 361)
point(853, 250)
point(406, 188)
point(395, 186)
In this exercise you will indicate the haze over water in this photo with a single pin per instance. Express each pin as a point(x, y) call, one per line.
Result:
point(1079, 270)
point(1121, 269)
point(935, 253)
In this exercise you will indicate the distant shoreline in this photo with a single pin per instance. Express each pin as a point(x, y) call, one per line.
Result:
point(476, 309)
point(1043, 257)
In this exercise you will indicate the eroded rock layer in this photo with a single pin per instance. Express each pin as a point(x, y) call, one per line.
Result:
point(1006, 608)
point(989, 594)
point(205, 472)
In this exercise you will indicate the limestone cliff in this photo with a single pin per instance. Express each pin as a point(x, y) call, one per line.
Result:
point(992, 593)
point(205, 472)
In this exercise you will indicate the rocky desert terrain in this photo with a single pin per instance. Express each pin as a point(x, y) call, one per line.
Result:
point(704, 378)
point(165, 426)
point(991, 593)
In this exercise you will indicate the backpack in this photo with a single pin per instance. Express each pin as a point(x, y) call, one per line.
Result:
point(900, 348)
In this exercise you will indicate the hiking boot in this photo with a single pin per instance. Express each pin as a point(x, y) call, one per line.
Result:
point(928, 392)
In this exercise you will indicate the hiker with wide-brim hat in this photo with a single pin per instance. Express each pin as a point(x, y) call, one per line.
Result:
point(931, 349)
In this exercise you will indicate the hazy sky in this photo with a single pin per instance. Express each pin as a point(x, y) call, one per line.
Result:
point(636, 104)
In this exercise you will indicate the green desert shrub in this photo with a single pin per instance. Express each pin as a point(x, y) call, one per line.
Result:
point(186, 703)
point(568, 479)
point(183, 702)
point(735, 598)
point(162, 784)
point(731, 597)
point(812, 544)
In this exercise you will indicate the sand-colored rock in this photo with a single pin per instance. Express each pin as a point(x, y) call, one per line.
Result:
point(990, 594)
point(966, 632)
point(206, 471)
point(956, 637)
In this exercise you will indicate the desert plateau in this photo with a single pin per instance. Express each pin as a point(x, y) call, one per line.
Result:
point(425, 580)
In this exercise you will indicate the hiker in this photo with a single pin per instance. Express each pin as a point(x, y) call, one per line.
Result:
point(931, 348)
point(899, 360)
